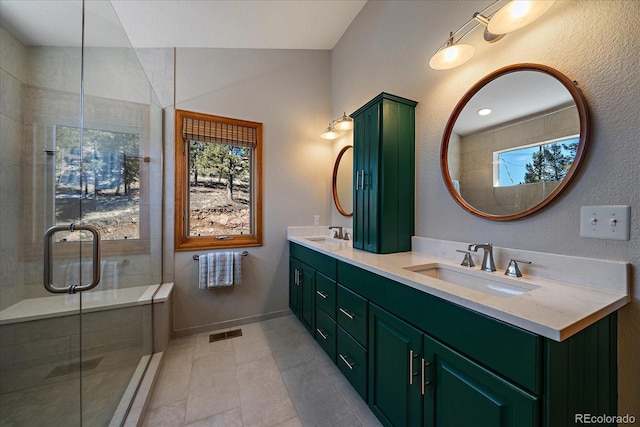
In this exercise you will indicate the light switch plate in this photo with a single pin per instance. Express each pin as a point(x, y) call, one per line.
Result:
point(316, 220)
point(605, 222)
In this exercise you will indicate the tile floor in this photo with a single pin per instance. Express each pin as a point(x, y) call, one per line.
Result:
point(273, 375)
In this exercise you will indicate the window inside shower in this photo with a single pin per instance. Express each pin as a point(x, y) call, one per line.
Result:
point(103, 172)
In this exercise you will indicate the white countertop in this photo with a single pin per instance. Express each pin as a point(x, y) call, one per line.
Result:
point(554, 309)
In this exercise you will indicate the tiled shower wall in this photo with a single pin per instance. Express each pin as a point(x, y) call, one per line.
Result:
point(12, 72)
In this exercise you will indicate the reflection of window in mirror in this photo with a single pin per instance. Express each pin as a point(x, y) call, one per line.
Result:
point(103, 175)
point(539, 162)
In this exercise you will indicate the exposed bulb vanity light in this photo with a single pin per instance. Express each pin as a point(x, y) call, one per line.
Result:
point(452, 55)
point(498, 18)
point(517, 14)
point(342, 124)
point(330, 133)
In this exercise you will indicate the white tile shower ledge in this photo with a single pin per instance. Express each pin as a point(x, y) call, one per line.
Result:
point(556, 310)
point(64, 305)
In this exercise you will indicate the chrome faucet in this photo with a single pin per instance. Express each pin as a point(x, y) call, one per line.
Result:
point(487, 260)
point(337, 234)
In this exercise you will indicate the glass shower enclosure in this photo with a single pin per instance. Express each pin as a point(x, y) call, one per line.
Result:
point(80, 215)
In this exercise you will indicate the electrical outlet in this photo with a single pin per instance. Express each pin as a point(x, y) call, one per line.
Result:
point(605, 222)
point(316, 220)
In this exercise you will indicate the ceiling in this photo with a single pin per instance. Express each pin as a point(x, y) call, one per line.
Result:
point(257, 24)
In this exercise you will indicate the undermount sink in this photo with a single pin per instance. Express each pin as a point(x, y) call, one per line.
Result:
point(478, 280)
point(323, 239)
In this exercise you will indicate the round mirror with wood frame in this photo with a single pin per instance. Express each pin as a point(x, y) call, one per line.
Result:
point(519, 158)
point(342, 181)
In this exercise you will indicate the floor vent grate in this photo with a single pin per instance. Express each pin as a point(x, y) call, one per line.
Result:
point(225, 335)
point(71, 368)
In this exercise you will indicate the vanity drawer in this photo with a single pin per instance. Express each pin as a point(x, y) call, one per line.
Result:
point(326, 334)
point(326, 295)
point(352, 362)
point(352, 314)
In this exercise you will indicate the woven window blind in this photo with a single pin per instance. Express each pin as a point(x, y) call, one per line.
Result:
point(220, 133)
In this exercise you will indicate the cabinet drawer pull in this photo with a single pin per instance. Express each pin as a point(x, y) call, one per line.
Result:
point(346, 313)
point(412, 374)
point(322, 334)
point(322, 295)
point(344, 359)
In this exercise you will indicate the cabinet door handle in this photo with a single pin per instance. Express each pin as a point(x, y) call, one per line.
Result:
point(321, 332)
point(357, 180)
point(362, 184)
point(346, 313)
point(423, 382)
point(322, 295)
point(412, 374)
point(344, 359)
point(296, 277)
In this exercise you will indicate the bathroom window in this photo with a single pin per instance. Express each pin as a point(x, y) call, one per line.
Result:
point(547, 161)
point(218, 191)
point(98, 181)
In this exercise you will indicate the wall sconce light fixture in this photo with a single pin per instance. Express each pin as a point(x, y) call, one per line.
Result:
point(498, 18)
point(342, 124)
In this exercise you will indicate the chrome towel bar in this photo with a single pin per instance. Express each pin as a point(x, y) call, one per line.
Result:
point(197, 257)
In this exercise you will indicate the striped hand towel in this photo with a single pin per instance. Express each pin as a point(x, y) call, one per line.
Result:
point(218, 269)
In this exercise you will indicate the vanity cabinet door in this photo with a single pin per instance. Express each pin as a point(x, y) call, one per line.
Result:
point(295, 269)
point(395, 356)
point(459, 392)
point(366, 137)
point(384, 174)
point(302, 292)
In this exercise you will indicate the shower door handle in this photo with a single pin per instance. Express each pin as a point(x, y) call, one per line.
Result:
point(48, 254)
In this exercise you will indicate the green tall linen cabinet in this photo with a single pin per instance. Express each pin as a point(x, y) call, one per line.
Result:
point(384, 174)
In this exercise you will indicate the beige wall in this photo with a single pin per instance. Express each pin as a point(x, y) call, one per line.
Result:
point(387, 48)
point(289, 92)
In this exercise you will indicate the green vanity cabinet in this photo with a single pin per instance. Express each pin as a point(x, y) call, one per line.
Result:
point(460, 392)
point(477, 370)
point(306, 267)
point(415, 380)
point(395, 359)
point(384, 174)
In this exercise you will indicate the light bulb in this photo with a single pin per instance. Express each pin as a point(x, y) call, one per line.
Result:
point(451, 56)
point(344, 123)
point(517, 14)
point(329, 133)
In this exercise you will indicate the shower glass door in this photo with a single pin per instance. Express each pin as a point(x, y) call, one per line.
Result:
point(81, 144)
